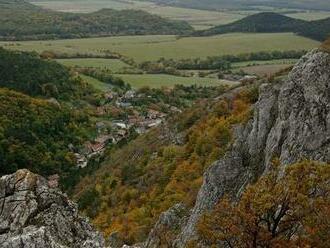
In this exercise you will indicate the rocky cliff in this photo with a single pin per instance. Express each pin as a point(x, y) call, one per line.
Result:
point(34, 214)
point(291, 122)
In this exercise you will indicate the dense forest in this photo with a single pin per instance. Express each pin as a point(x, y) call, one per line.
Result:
point(36, 130)
point(215, 62)
point(23, 21)
point(274, 23)
point(27, 73)
point(35, 134)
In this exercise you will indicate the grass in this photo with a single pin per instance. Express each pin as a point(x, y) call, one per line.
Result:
point(163, 80)
point(265, 62)
point(144, 48)
point(262, 70)
point(98, 85)
point(157, 81)
point(115, 65)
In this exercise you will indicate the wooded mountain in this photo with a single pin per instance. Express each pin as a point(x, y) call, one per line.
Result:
point(23, 21)
point(269, 22)
point(35, 134)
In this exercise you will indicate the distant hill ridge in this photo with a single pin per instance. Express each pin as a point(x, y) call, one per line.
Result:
point(249, 5)
point(21, 20)
point(274, 23)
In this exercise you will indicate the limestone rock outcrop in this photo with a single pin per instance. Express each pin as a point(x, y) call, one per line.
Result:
point(35, 214)
point(291, 122)
point(168, 225)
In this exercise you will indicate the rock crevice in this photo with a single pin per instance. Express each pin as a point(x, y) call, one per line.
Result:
point(35, 215)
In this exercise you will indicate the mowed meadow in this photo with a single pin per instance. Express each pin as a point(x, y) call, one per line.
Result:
point(150, 48)
point(199, 19)
point(158, 81)
point(115, 65)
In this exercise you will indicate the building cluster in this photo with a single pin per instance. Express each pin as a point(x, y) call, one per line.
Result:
point(112, 131)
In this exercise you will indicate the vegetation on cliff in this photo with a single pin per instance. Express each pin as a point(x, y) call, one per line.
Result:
point(290, 211)
point(326, 45)
point(159, 169)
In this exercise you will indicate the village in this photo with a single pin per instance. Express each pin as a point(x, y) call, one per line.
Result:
point(135, 118)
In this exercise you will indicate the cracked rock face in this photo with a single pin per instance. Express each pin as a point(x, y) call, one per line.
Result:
point(34, 215)
point(291, 122)
point(170, 222)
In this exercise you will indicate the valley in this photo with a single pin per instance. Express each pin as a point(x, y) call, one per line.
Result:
point(151, 48)
point(134, 50)
point(164, 123)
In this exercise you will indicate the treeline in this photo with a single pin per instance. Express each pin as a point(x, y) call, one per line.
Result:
point(28, 73)
point(269, 22)
point(223, 62)
point(179, 96)
point(105, 77)
point(59, 55)
point(23, 21)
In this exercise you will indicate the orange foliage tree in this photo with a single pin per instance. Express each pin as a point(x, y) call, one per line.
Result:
point(292, 210)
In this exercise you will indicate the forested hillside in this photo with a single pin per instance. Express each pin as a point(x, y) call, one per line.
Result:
point(269, 22)
point(161, 168)
point(35, 134)
point(23, 21)
point(27, 73)
point(37, 130)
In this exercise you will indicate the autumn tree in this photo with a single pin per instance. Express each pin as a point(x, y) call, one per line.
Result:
point(292, 210)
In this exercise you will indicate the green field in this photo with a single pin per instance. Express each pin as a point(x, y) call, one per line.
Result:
point(96, 83)
point(199, 19)
point(265, 62)
point(264, 70)
point(162, 80)
point(157, 81)
point(310, 15)
point(146, 48)
point(115, 65)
